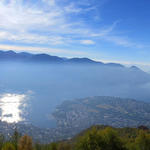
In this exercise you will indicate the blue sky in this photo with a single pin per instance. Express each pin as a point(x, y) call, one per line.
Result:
point(106, 30)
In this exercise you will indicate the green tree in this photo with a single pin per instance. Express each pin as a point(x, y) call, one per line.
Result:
point(8, 146)
point(38, 146)
point(15, 139)
point(53, 146)
point(90, 141)
point(2, 140)
point(64, 146)
point(143, 141)
point(131, 146)
point(106, 139)
point(112, 141)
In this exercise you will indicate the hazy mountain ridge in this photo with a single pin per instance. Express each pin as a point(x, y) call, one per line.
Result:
point(29, 57)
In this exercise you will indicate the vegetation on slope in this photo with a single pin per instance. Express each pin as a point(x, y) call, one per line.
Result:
point(94, 138)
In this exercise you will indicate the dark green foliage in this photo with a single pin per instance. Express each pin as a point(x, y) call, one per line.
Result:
point(8, 146)
point(143, 141)
point(15, 139)
point(2, 141)
point(38, 146)
point(64, 146)
point(107, 139)
point(91, 140)
point(143, 127)
point(53, 146)
point(111, 140)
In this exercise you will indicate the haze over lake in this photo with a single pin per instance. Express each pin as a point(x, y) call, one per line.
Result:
point(36, 89)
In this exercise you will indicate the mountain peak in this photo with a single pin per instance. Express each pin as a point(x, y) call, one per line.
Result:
point(135, 68)
point(114, 65)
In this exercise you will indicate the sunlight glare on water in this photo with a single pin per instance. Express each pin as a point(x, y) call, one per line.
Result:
point(10, 107)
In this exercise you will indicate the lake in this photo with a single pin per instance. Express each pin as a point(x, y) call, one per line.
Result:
point(30, 92)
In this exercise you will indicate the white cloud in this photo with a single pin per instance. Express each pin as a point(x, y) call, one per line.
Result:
point(28, 23)
point(87, 42)
point(24, 17)
point(49, 2)
point(105, 31)
point(72, 9)
point(32, 38)
point(123, 41)
point(38, 23)
point(47, 22)
point(53, 51)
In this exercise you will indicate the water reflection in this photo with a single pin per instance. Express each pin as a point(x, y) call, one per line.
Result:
point(10, 105)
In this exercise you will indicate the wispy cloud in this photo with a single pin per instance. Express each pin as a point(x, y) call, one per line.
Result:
point(72, 9)
point(87, 42)
point(18, 16)
point(49, 2)
point(122, 41)
point(43, 22)
point(29, 38)
point(52, 22)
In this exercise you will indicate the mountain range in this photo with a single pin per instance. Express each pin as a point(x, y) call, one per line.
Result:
point(45, 58)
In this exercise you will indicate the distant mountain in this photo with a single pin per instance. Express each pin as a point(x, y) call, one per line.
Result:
point(114, 65)
point(83, 61)
point(134, 68)
point(45, 58)
point(24, 57)
point(113, 111)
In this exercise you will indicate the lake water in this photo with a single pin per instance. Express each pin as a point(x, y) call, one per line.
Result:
point(30, 93)
point(10, 105)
